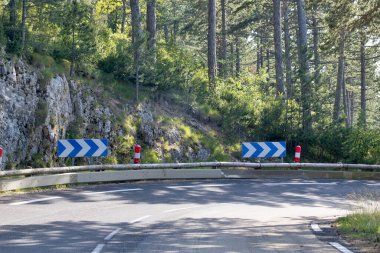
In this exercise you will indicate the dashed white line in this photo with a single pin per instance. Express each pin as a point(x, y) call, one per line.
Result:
point(112, 234)
point(121, 190)
point(340, 247)
point(233, 176)
point(98, 248)
point(140, 219)
point(315, 227)
point(33, 201)
point(197, 186)
point(299, 183)
point(180, 209)
point(376, 184)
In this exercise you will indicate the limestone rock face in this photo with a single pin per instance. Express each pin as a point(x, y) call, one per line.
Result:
point(34, 114)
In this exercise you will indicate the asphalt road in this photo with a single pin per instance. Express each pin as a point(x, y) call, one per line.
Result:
point(187, 216)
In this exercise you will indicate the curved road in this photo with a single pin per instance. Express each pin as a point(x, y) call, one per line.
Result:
point(186, 216)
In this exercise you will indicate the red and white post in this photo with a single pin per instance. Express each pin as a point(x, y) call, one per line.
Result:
point(137, 157)
point(1, 156)
point(297, 156)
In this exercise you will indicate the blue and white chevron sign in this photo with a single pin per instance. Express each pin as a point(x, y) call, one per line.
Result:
point(83, 148)
point(263, 149)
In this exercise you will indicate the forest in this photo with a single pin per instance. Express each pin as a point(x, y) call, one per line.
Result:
point(304, 71)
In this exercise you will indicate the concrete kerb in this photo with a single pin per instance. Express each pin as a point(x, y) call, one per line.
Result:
point(109, 176)
point(227, 170)
point(299, 174)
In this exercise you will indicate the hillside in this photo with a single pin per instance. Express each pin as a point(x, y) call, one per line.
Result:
point(190, 80)
point(59, 108)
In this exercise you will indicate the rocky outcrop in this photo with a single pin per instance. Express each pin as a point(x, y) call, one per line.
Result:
point(35, 113)
point(167, 140)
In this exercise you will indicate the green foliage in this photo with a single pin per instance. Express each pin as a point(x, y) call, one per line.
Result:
point(75, 129)
point(362, 146)
point(110, 160)
point(150, 156)
point(115, 54)
point(245, 111)
point(38, 161)
point(41, 113)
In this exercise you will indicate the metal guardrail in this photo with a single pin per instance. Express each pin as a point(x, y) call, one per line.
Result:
point(57, 170)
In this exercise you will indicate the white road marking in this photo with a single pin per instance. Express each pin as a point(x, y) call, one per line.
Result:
point(316, 228)
point(98, 248)
point(340, 247)
point(376, 184)
point(33, 201)
point(298, 183)
point(140, 219)
point(197, 186)
point(233, 176)
point(180, 209)
point(112, 234)
point(121, 190)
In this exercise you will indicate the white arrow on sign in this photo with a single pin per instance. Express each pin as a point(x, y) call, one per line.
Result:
point(101, 148)
point(85, 148)
point(251, 150)
point(266, 149)
point(68, 148)
point(280, 150)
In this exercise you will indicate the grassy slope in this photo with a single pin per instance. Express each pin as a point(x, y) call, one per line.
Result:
point(171, 110)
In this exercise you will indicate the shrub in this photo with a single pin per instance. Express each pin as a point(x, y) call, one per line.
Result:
point(41, 113)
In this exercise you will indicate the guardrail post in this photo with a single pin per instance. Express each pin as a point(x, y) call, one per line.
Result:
point(297, 156)
point(137, 157)
point(1, 158)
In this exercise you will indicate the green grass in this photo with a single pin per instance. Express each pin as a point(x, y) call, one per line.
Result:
point(364, 221)
point(364, 226)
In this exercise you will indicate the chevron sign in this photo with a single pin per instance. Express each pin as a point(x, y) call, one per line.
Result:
point(263, 149)
point(83, 148)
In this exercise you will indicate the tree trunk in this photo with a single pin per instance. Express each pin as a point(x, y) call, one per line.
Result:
point(12, 19)
point(166, 33)
point(123, 16)
point(73, 42)
point(237, 58)
point(268, 65)
point(137, 40)
point(261, 53)
point(278, 47)
point(339, 84)
point(317, 60)
point(23, 24)
point(258, 61)
point(211, 54)
point(304, 69)
point(151, 24)
point(345, 97)
point(288, 59)
point(363, 102)
point(175, 22)
point(232, 59)
point(352, 104)
point(224, 66)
